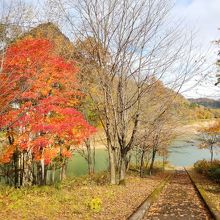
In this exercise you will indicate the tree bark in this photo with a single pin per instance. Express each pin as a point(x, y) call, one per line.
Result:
point(90, 157)
point(122, 170)
point(53, 174)
point(27, 176)
point(128, 162)
point(93, 157)
point(42, 172)
point(152, 161)
point(63, 171)
point(112, 163)
point(212, 153)
point(142, 164)
point(16, 169)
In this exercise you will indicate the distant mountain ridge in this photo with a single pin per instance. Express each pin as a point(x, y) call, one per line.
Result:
point(209, 103)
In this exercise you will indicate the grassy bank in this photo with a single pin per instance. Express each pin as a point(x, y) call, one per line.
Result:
point(210, 188)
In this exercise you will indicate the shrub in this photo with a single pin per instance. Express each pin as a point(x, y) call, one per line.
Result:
point(215, 174)
point(100, 178)
point(95, 204)
point(212, 170)
point(201, 166)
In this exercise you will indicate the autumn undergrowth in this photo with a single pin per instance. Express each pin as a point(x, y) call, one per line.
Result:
point(159, 167)
point(210, 187)
point(209, 169)
point(61, 199)
point(85, 197)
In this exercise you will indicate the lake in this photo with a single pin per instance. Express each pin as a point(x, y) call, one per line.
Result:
point(77, 166)
point(182, 152)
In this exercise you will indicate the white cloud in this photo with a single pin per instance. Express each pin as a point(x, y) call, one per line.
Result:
point(202, 16)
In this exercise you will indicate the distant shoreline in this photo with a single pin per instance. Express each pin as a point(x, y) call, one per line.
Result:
point(188, 129)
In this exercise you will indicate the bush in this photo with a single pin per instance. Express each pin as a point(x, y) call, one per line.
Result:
point(95, 204)
point(212, 170)
point(215, 174)
point(201, 166)
point(100, 178)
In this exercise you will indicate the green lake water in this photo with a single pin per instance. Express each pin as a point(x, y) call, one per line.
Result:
point(182, 152)
point(77, 166)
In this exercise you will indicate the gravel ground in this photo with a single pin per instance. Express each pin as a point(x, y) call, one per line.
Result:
point(178, 200)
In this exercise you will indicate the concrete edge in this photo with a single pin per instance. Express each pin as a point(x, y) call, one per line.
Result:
point(201, 191)
point(141, 210)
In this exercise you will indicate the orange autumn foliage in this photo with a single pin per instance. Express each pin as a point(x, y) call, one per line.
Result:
point(39, 99)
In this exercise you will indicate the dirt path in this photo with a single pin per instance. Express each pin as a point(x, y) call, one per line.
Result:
point(178, 200)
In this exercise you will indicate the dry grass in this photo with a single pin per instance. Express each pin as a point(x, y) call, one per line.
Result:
point(211, 188)
point(73, 198)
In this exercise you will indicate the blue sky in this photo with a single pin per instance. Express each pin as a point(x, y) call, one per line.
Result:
point(183, 2)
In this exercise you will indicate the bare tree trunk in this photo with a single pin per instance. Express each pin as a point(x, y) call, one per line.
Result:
point(27, 172)
point(90, 157)
point(15, 159)
point(113, 165)
point(142, 164)
point(122, 169)
point(42, 171)
point(22, 168)
point(16, 169)
point(136, 157)
point(163, 162)
point(34, 173)
point(53, 174)
point(93, 157)
point(211, 152)
point(38, 175)
point(45, 174)
point(147, 162)
point(128, 162)
point(152, 161)
point(90, 164)
point(63, 171)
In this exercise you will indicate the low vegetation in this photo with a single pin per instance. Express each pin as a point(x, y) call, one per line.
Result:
point(209, 169)
point(78, 198)
point(207, 177)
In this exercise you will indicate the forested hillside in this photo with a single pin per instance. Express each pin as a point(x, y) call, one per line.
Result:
point(209, 103)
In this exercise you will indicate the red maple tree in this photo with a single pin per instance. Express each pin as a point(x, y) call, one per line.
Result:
point(41, 94)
